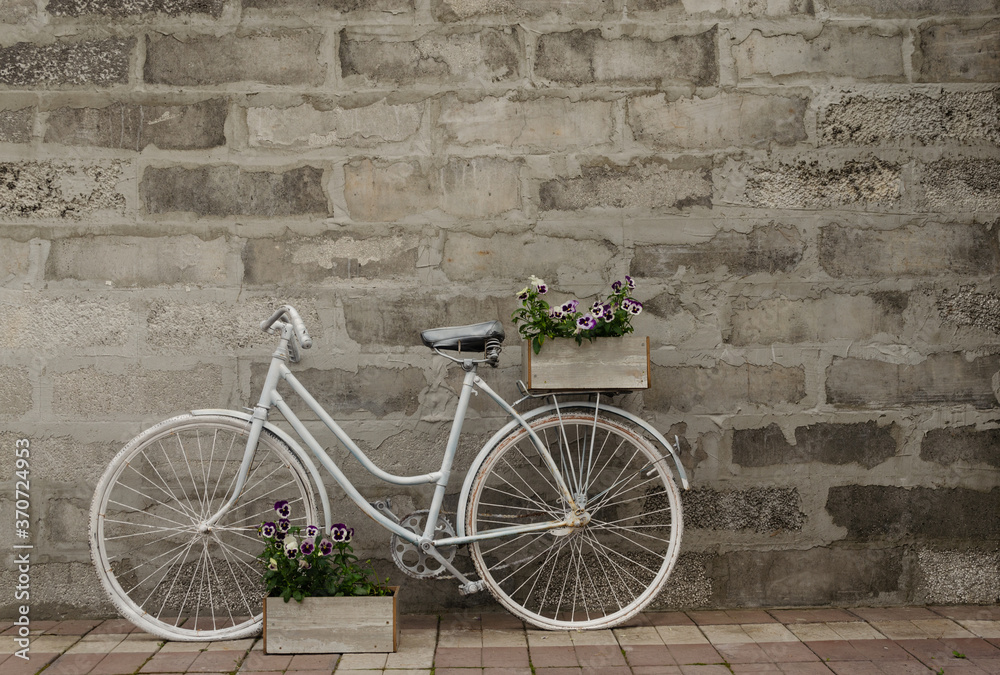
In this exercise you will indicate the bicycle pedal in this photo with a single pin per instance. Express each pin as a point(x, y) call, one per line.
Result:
point(471, 587)
point(385, 507)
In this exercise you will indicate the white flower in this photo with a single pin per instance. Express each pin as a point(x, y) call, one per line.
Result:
point(535, 281)
point(291, 544)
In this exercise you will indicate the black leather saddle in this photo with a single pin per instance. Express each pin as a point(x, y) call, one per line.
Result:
point(471, 338)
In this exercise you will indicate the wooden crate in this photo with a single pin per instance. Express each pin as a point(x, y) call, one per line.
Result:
point(332, 625)
point(619, 363)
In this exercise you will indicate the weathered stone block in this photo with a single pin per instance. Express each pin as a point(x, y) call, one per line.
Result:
point(470, 258)
point(377, 391)
point(15, 260)
point(13, 12)
point(309, 126)
point(472, 54)
point(98, 63)
point(585, 57)
point(967, 117)
point(15, 125)
point(721, 121)
point(912, 250)
point(60, 190)
point(651, 184)
point(859, 53)
point(962, 185)
point(864, 443)
point(123, 8)
point(17, 393)
point(885, 511)
point(868, 183)
point(331, 7)
point(280, 58)
point(941, 379)
point(397, 322)
point(575, 10)
point(315, 260)
point(233, 190)
point(222, 327)
point(958, 577)
point(967, 307)
point(759, 509)
point(953, 53)
point(94, 393)
point(766, 249)
point(543, 124)
point(464, 187)
point(62, 458)
point(46, 324)
point(144, 261)
point(909, 8)
point(831, 317)
point(134, 126)
point(723, 387)
point(961, 444)
point(817, 576)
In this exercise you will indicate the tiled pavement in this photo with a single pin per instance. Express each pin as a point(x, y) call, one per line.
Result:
point(874, 641)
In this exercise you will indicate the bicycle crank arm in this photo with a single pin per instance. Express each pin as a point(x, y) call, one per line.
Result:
point(467, 586)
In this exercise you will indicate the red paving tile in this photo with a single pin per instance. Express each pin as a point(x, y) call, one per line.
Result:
point(972, 647)
point(15, 665)
point(458, 657)
point(693, 654)
point(463, 621)
point(216, 662)
point(610, 670)
point(500, 621)
point(750, 616)
point(113, 627)
point(74, 664)
point(835, 650)
point(522, 670)
point(755, 668)
point(505, 657)
point(656, 670)
point(599, 656)
point(74, 627)
point(931, 652)
point(893, 613)
point(548, 671)
point(259, 661)
point(172, 662)
point(711, 618)
point(119, 664)
point(704, 670)
point(969, 612)
point(989, 665)
point(549, 657)
point(880, 650)
point(788, 652)
point(648, 655)
point(325, 662)
point(813, 668)
point(811, 615)
point(902, 668)
point(669, 619)
point(853, 667)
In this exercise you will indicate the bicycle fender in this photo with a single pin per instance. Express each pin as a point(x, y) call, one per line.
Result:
point(513, 424)
point(293, 445)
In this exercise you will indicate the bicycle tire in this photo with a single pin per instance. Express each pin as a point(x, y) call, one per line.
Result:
point(145, 529)
point(596, 576)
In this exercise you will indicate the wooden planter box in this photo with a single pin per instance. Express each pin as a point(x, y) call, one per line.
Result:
point(332, 625)
point(617, 363)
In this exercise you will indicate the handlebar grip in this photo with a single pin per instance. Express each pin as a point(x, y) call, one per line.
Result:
point(297, 325)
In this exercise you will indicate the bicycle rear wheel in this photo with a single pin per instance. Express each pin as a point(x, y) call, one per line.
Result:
point(595, 576)
point(162, 568)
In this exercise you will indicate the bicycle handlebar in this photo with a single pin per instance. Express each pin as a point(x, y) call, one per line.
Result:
point(297, 325)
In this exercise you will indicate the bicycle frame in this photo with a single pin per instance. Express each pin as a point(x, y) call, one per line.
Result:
point(270, 397)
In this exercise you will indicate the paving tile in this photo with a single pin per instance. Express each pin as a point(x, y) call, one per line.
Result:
point(317, 671)
point(115, 626)
point(972, 647)
point(755, 668)
point(681, 635)
point(120, 663)
point(984, 629)
point(504, 638)
point(811, 615)
point(554, 671)
point(461, 640)
point(656, 670)
point(742, 653)
point(361, 662)
point(788, 652)
point(74, 664)
point(215, 662)
point(259, 661)
point(232, 645)
point(93, 646)
point(412, 671)
point(606, 670)
point(711, 617)
point(669, 619)
point(505, 657)
point(880, 650)
point(593, 637)
point(899, 630)
point(182, 647)
point(53, 643)
point(648, 655)
point(750, 616)
point(501, 621)
point(325, 662)
point(726, 634)
point(545, 638)
point(636, 621)
point(813, 632)
point(599, 656)
point(989, 665)
point(902, 668)
point(15, 665)
point(522, 670)
point(411, 659)
point(853, 667)
point(640, 635)
point(457, 657)
point(812, 668)
point(969, 612)
point(931, 652)
point(892, 613)
point(73, 627)
point(550, 657)
point(768, 632)
point(173, 662)
point(704, 670)
point(941, 628)
point(835, 650)
point(854, 630)
point(692, 654)
point(460, 621)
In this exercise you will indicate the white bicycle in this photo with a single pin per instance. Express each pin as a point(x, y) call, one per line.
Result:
point(570, 513)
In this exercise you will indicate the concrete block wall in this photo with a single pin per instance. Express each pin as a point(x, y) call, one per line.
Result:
point(806, 192)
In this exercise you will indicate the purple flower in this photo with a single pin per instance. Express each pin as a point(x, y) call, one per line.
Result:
point(570, 307)
point(586, 322)
point(283, 509)
point(523, 295)
point(630, 282)
point(555, 313)
point(631, 306)
point(542, 289)
point(267, 530)
point(307, 546)
point(608, 312)
point(325, 546)
point(291, 547)
point(279, 535)
point(350, 535)
point(617, 286)
point(339, 533)
point(312, 531)
point(597, 309)
point(284, 525)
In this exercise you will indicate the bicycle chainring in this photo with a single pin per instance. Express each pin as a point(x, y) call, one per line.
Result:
point(410, 558)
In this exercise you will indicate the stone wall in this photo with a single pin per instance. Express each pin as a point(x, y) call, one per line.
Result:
point(806, 192)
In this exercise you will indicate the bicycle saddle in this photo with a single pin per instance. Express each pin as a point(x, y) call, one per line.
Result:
point(471, 338)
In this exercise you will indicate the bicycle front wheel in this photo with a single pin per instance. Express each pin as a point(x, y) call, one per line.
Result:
point(162, 566)
point(596, 575)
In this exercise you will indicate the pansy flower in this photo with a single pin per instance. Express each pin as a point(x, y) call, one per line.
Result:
point(339, 533)
point(283, 525)
point(630, 282)
point(570, 307)
point(307, 546)
point(272, 565)
point(556, 313)
point(283, 509)
point(586, 322)
point(597, 309)
point(267, 530)
point(325, 546)
point(312, 531)
point(617, 286)
point(291, 547)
